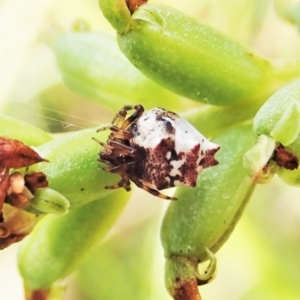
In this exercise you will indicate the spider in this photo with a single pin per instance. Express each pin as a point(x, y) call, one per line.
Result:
point(156, 149)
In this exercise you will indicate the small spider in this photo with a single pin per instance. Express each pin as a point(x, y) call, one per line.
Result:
point(156, 149)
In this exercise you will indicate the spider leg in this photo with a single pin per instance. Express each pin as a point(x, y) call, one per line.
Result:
point(96, 140)
point(124, 182)
point(112, 169)
point(122, 149)
point(103, 128)
point(119, 122)
point(138, 111)
point(152, 191)
point(120, 116)
point(127, 185)
point(121, 134)
point(116, 132)
point(112, 145)
point(102, 144)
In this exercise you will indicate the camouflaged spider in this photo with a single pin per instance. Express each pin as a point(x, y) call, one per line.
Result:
point(156, 149)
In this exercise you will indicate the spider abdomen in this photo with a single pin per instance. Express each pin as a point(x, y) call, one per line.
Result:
point(175, 152)
point(156, 149)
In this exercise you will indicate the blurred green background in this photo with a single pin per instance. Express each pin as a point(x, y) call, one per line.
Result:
point(261, 260)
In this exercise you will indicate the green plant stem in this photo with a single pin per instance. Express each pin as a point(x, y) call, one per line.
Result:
point(182, 271)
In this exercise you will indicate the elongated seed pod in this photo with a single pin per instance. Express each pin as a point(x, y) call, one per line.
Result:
point(58, 245)
point(28, 134)
point(192, 59)
point(122, 253)
point(92, 65)
point(73, 169)
point(203, 218)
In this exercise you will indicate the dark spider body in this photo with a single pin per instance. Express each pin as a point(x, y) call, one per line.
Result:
point(156, 149)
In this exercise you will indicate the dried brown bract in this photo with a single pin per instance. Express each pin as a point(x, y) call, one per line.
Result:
point(284, 158)
point(17, 193)
point(13, 190)
point(35, 180)
point(15, 154)
point(134, 4)
point(16, 190)
point(37, 295)
point(4, 183)
point(18, 224)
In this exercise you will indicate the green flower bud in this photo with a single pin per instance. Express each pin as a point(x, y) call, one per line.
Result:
point(57, 245)
point(49, 201)
point(288, 127)
point(279, 120)
point(279, 117)
point(202, 219)
point(192, 59)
